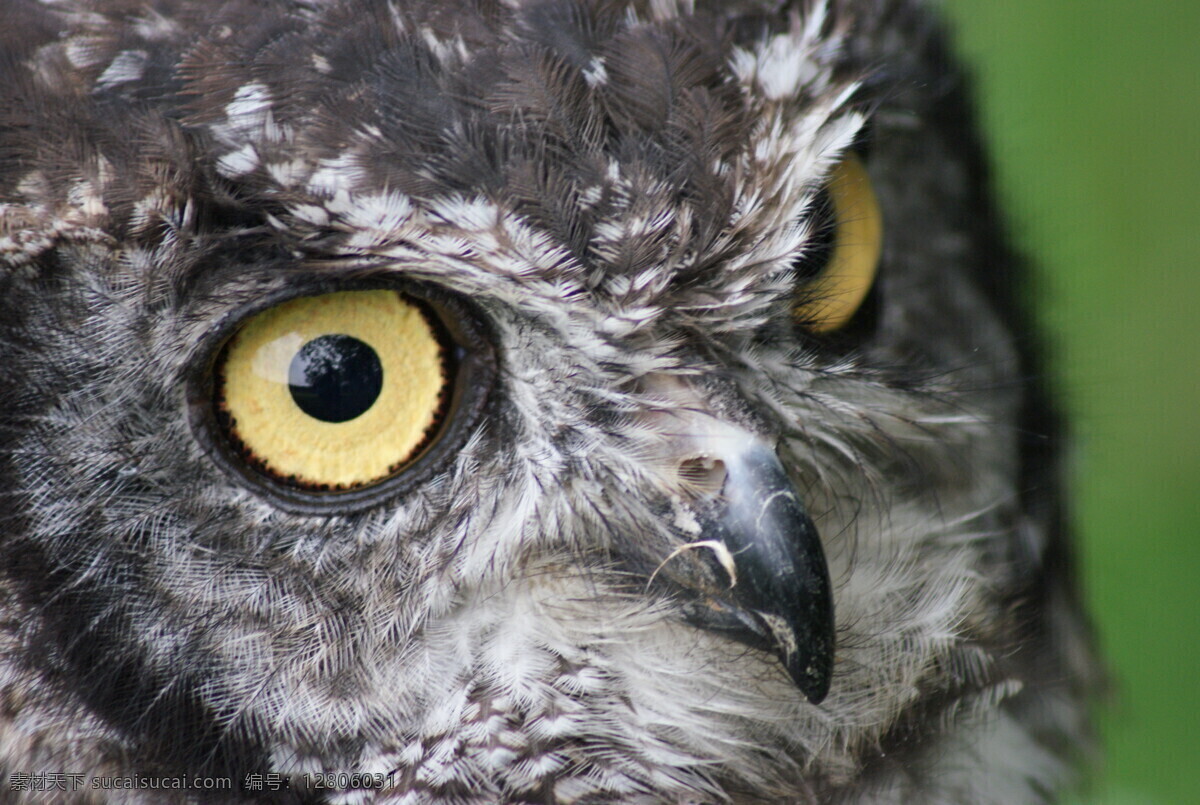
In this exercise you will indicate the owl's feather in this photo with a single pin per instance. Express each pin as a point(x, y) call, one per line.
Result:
point(621, 190)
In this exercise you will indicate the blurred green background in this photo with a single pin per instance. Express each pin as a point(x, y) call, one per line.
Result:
point(1093, 114)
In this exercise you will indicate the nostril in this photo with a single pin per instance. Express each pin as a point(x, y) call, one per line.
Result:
point(702, 475)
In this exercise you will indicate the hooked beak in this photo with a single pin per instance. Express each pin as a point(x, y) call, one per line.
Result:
point(759, 537)
point(780, 598)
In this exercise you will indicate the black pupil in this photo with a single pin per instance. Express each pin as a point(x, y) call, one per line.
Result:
point(335, 378)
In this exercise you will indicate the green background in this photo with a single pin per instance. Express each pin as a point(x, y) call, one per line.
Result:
point(1092, 110)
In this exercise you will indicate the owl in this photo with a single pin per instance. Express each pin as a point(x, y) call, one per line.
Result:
point(518, 401)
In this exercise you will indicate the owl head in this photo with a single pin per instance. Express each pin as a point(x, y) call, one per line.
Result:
point(520, 402)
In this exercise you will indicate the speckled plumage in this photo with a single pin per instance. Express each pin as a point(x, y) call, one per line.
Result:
point(621, 191)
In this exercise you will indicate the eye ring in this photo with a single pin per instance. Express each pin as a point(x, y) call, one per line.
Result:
point(469, 352)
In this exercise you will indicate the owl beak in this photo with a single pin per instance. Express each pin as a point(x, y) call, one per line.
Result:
point(755, 571)
point(779, 596)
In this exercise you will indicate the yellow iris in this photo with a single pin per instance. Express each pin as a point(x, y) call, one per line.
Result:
point(333, 391)
point(831, 298)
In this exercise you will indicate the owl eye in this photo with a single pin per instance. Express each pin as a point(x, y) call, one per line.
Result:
point(839, 267)
point(338, 391)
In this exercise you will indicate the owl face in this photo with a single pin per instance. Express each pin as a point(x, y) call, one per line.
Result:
point(564, 402)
